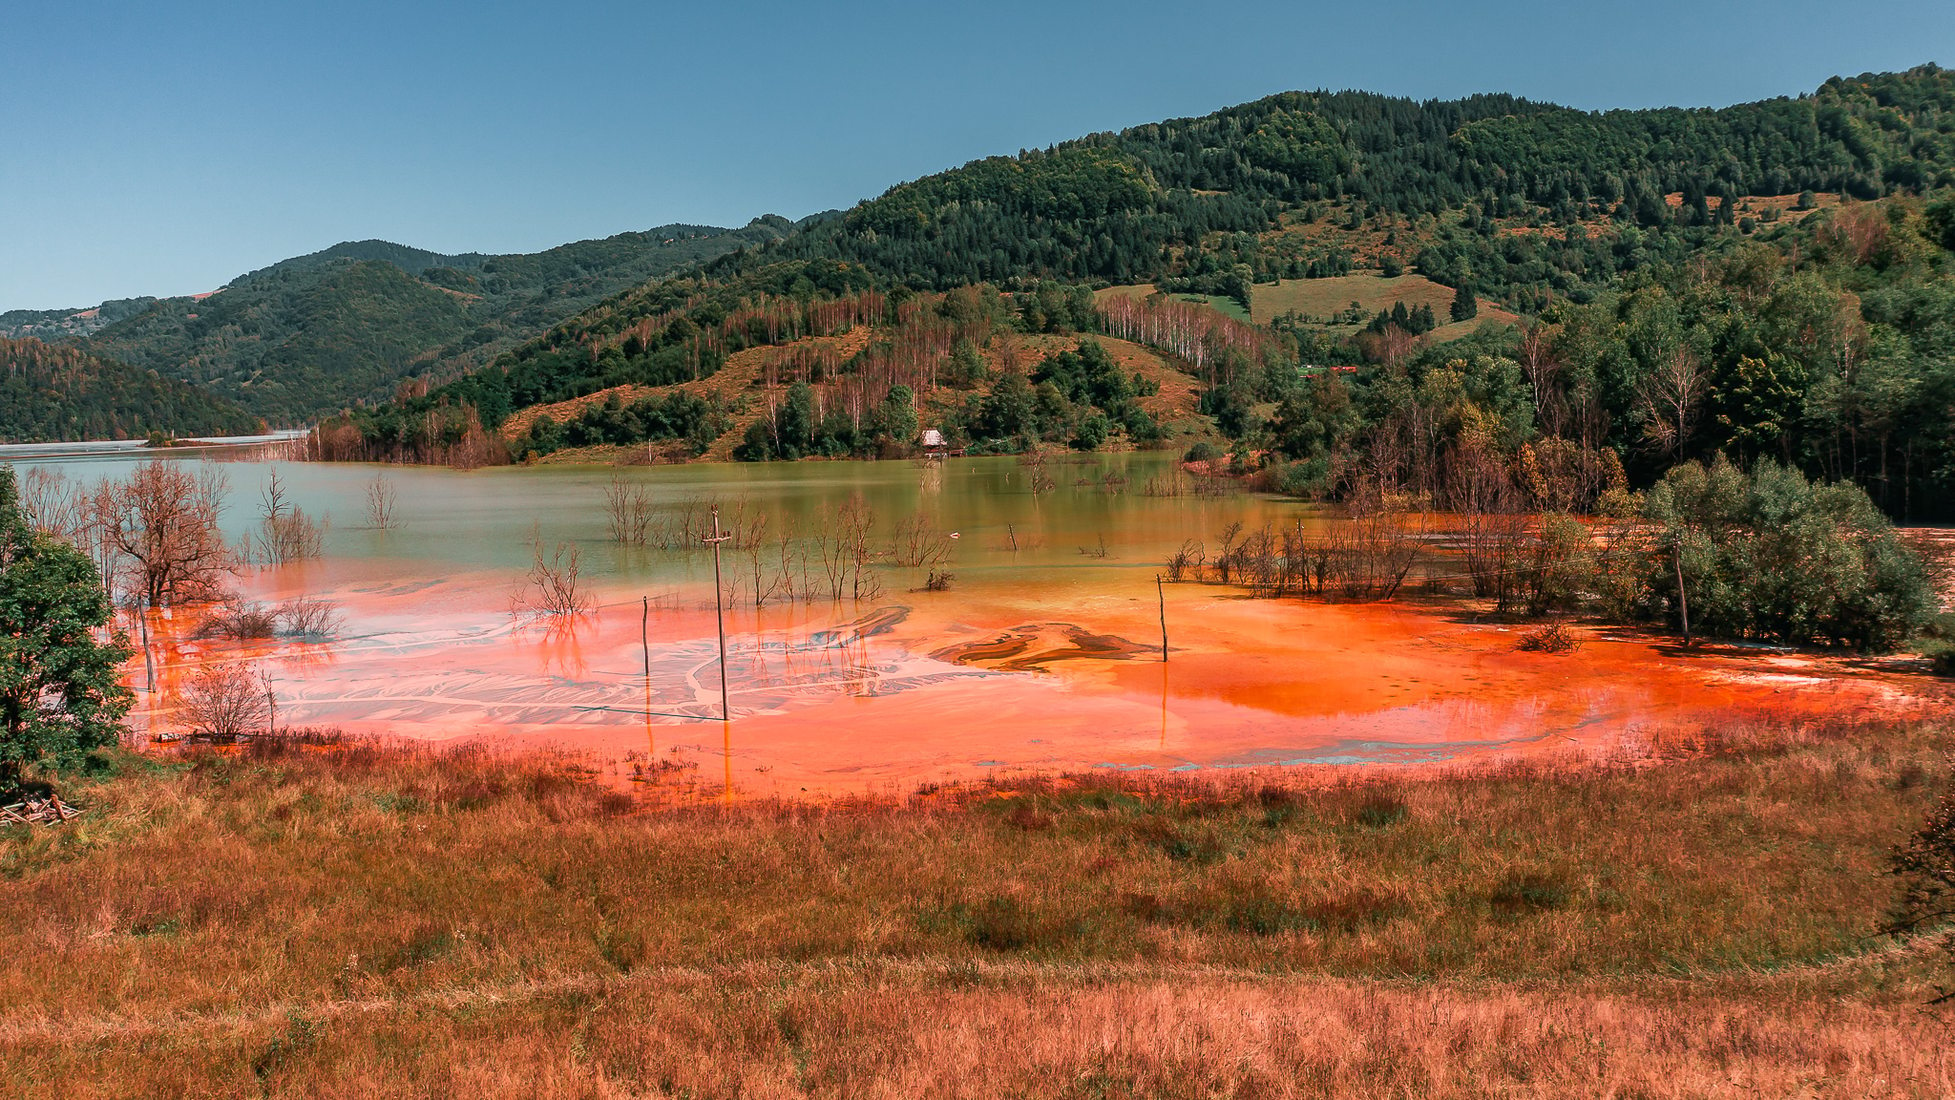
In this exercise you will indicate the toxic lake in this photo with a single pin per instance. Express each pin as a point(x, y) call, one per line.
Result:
point(1044, 651)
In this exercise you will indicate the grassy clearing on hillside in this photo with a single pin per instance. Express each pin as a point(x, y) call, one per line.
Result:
point(1223, 305)
point(1319, 299)
point(383, 920)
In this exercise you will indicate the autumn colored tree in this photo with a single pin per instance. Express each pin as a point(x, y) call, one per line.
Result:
point(163, 522)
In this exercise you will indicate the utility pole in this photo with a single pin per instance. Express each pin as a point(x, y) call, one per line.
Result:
point(719, 609)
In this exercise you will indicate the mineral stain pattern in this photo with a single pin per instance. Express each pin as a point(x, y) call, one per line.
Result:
point(1034, 647)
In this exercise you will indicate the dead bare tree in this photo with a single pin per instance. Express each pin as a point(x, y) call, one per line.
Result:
point(1543, 370)
point(765, 581)
point(53, 504)
point(554, 586)
point(628, 511)
point(163, 522)
point(1670, 398)
point(380, 503)
point(918, 543)
point(1488, 516)
point(792, 560)
point(1186, 563)
point(1226, 559)
point(285, 532)
point(1040, 480)
point(858, 529)
point(305, 617)
point(227, 701)
point(1378, 546)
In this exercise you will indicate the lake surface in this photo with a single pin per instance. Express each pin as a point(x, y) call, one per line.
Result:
point(1043, 653)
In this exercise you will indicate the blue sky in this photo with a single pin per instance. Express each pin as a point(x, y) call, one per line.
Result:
point(163, 148)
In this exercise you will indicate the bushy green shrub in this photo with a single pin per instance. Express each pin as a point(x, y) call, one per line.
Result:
point(1310, 479)
point(1938, 643)
point(1772, 555)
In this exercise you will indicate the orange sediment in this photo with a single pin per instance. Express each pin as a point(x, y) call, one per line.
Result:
point(1055, 673)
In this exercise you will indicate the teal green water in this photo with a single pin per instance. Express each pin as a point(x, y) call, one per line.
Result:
point(486, 519)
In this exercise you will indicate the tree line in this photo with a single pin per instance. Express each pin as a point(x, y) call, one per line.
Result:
point(54, 394)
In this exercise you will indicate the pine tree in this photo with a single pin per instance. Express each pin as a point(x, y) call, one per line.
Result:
point(1465, 305)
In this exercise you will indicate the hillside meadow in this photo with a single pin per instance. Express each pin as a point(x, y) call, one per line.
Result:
point(318, 916)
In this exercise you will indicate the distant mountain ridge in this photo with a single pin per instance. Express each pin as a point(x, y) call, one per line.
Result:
point(348, 324)
point(65, 324)
point(417, 260)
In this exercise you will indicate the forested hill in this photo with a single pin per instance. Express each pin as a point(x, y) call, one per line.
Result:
point(1221, 201)
point(52, 394)
point(1782, 268)
point(348, 324)
point(66, 324)
point(1522, 202)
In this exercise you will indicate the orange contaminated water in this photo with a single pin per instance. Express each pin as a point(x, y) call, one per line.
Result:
point(920, 687)
point(1045, 653)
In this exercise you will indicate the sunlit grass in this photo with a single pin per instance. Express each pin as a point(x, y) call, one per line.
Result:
point(306, 916)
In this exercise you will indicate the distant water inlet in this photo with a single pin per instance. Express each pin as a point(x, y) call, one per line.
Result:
point(887, 624)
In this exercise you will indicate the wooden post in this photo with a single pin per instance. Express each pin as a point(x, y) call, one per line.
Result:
point(1160, 594)
point(1683, 598)
point(149, 659)
point(719, 612)
point(645, 637)
point(1013, 533)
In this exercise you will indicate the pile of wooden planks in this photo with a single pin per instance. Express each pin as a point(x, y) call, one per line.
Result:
point(38, 811)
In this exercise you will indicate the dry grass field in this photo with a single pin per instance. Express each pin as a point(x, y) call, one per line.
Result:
point(1225, 306)
point(1320, 298)
point(354, 919)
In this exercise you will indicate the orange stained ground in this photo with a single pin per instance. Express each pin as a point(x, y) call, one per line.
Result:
point(1057, 673)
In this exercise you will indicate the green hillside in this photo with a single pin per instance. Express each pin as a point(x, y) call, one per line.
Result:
point(52, 394)
point(348, 324)
point(1213, 203)
point(1789, 258)
point(68, 324)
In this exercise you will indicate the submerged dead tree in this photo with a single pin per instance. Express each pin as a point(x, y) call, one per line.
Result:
point(380, 500)
point(162, 524)
point(285, 532)
point(554, 585)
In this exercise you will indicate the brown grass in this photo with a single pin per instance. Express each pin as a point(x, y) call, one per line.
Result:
point(358, 919)
point(877, 1030)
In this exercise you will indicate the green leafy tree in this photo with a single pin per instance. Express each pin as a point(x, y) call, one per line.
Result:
point(1007, 412)
point(1760, 400)
point(967, 367)
point(1772, 555)
point(895, 418)
point(60, 695)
